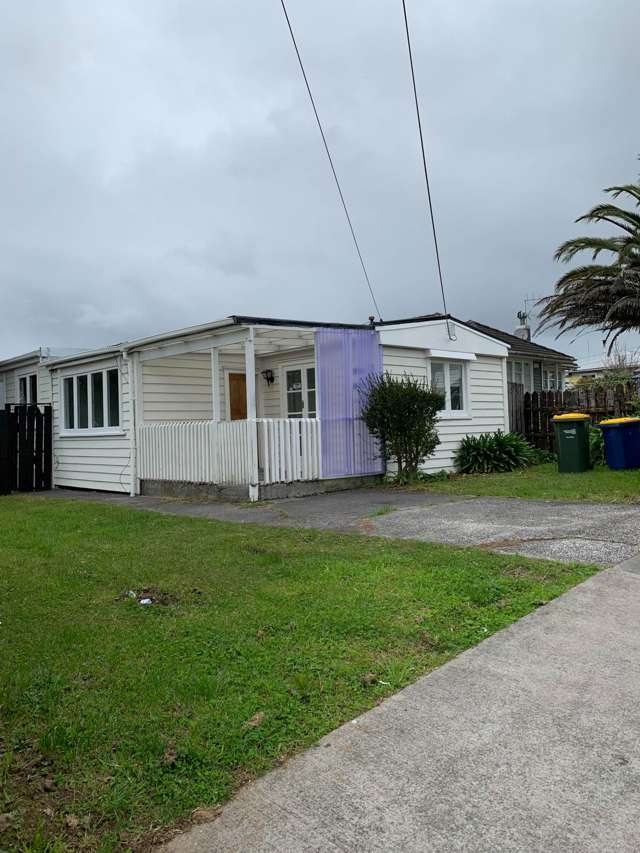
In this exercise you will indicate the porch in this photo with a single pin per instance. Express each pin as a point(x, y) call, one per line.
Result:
point(253, 407)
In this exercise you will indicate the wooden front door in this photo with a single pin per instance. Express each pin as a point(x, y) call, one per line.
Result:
point(237, 396)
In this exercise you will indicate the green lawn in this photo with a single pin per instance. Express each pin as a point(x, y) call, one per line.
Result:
point(544, 481)
point(118, 719)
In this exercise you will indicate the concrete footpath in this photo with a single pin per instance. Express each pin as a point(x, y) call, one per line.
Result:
point(528, 742)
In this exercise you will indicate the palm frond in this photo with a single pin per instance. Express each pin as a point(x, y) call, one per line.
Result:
point(630, 189)
point(568, 250)
point(605, 297)
point(611, 213)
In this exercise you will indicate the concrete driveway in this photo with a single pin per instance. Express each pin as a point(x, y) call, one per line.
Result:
point(603, 534)
point(527, 743)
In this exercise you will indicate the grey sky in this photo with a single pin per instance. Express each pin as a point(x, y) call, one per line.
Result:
point(162, 166)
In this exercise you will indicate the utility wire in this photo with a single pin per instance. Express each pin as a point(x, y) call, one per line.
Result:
point(326, 148)
point(424, 163)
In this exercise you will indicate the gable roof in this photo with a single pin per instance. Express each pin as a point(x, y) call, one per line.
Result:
point(521, 347)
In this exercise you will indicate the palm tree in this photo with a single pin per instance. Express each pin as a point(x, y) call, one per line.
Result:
point(605, 296)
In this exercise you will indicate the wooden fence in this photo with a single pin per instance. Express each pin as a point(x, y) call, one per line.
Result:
point(531, 414)
point(25, 448)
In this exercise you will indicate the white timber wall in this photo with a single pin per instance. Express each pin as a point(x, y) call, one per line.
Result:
point(12, 388)
point(270, 396)
point(485, 403)
point(179, 388)
point(86, 460)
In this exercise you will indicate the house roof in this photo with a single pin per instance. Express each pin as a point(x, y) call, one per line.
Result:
point(275, 321)
point(421, 318)
point(521, 347)
point(516, 344)
point(16, 360)
point(233, 320)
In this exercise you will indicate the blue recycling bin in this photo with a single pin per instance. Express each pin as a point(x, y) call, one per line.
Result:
point(621, 442)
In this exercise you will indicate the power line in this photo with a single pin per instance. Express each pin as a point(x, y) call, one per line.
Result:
point(326, 148)
point(424, 162)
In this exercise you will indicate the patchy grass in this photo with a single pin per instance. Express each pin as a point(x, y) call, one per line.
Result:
point(385, 509)
point(119, 719)
point(544, 482)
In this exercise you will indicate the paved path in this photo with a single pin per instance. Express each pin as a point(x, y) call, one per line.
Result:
point(527, 743)
point(603, 534)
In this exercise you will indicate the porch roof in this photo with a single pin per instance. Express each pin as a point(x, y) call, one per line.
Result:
point(270, 335)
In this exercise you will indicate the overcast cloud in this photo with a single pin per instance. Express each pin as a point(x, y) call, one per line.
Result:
point(162, 166)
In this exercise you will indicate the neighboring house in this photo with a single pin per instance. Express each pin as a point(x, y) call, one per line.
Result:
point(536, 367)
point(26, 379)
point(254, 403)
point(592, 367)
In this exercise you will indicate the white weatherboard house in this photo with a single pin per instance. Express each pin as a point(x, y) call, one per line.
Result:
point(254, 405)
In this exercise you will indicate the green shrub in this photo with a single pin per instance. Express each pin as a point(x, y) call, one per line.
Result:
point(596, 446)
point(493, 452)
point(542, 457)
point(402, 414)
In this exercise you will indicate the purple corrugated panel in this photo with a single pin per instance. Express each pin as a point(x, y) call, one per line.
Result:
point(345, 357)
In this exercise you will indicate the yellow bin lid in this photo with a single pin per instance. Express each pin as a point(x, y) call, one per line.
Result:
point(621, 421)
point(572, 416)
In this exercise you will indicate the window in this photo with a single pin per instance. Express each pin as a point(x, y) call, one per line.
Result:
point(300, 389)
point(448, 378)
point(82, 389)
point(28, 389)
point(97, 400)
point(69, 404)
point(518, 372)
point(92, 400)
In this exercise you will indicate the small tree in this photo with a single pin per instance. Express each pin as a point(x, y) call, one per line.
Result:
point(402, 414)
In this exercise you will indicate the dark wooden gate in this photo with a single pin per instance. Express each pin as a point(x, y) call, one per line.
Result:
point(26, 447)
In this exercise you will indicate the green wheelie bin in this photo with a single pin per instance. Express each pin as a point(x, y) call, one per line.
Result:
point(572, 442)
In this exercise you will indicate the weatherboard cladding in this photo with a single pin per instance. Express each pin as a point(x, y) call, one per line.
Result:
point(485, 406)
point(93, 461)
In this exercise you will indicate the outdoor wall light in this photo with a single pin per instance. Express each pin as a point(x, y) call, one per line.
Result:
point(268, 376)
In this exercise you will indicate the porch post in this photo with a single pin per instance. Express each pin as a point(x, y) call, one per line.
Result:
point(136, 415)
point(252, 425)
point(216, 408)
point(215, 382)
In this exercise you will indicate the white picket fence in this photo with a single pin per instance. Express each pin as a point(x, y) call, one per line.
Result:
point(289, 449)
point(219, 452)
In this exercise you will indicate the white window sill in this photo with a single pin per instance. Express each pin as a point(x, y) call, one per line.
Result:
point(90, 432)
point(454, 416)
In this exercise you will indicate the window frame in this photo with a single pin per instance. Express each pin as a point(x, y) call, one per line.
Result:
point(302, 366)
point(73, 374)
point(448, 413)
point(28, 377)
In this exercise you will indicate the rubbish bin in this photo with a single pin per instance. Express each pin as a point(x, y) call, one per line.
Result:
point(572, 442)
point(621, 442)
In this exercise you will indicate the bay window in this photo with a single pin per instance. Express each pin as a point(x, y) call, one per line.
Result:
point(447, 377)
point(92, 400)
